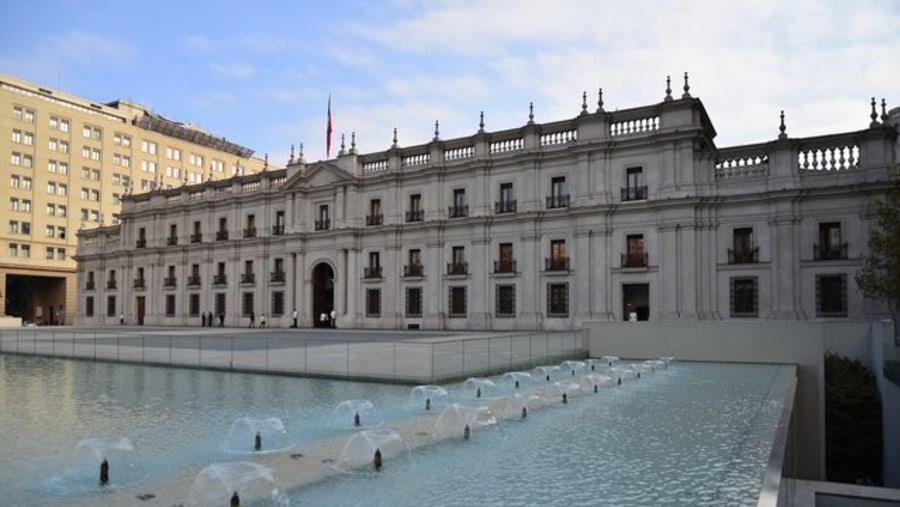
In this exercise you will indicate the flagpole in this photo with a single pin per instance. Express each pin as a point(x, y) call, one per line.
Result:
point(328, 131)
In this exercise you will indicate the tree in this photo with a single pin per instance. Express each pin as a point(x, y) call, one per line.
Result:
point(879, 277)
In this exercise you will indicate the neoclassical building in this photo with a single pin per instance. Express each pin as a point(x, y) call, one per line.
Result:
point(631, 214)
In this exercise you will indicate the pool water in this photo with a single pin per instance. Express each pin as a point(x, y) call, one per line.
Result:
point(692, 434)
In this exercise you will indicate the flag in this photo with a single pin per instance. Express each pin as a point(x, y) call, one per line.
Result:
point(328, 131)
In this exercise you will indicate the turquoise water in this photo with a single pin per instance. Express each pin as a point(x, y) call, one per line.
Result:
point(693, 434)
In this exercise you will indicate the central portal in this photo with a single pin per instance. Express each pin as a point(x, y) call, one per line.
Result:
point(323, 294)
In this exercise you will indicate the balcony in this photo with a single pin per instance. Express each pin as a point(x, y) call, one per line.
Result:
point(172, 240)
point(139, 283)
point(196, 237)
point(89, 285)
point(111, 284)
point(277, 276)
point(558, 201)
point(220, 279)
point(141, 243)
point(501, 267)
point(278, 230)
point(250, 232)
point(556, 264)
point(193, 281)
point(743, 256)
point(222, 235)
point(830, 252)
point(634, 193)
point(635, 260)
point(457, 268)
point(458, 211)
point(248, 278)
point(170, 281)
point(323, 225)
point(416, 215)
point(372, 272)
point(413, 270)
point(505, 206)
point(374, 219)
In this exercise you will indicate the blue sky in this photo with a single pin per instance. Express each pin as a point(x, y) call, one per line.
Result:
point(259, 73)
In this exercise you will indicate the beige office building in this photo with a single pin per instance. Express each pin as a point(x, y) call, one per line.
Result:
point(67, 162)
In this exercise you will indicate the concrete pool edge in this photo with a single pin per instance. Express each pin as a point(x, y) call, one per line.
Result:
point(770, 495)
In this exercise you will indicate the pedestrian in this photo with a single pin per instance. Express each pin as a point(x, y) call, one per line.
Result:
point(262, 320)
point(295, 315)
point(209, 318)
point(203, 319)
point(122, 319)
point(252, 318)
point(333, 316)
point(221, 319)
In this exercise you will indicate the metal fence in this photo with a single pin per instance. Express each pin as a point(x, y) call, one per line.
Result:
point(405, 361)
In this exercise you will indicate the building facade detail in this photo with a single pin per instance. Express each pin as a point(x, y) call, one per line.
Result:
point(626, 215)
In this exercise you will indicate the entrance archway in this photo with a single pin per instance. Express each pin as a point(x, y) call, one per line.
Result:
point(323, 294)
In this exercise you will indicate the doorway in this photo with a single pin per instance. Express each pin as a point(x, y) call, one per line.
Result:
point(323, 295)
point(140, 308)
point(636, 301)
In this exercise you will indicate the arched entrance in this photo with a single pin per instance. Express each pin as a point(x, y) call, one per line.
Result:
point(323, 294)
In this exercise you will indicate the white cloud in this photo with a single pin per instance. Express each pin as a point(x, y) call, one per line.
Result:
point(233, 69)
point(86, 47)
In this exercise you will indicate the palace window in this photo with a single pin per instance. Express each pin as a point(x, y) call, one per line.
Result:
point(507, 202)
point(558, 299)
point(415, 213)
point(558, 260)
point(375, 216)
point(744, 297)
point(457, 301)
point(506, 263)
point(559, 194)
point(505, 303)
point(635, 189)
point(413, 302)
point(635, 256)
point(373, 302)
point(830, 246)
point(831, 295)
point(459, 208)
point(743, 252)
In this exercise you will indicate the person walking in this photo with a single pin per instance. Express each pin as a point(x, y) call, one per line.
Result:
point(262, 320)
point(252, 318)
point(295, 315)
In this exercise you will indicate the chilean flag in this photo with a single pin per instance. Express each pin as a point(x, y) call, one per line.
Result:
point(328, 131)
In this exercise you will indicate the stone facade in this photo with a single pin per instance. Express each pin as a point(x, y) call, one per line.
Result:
point(632, 214)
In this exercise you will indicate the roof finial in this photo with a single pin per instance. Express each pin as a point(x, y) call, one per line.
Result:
point(600, 100)
point(782, 128)
point(394, 144)
point(531, 113)
point(884, 115)
point(291, 161)
point(481, 122)
point(686, 94)
point(266, 162)
point(584, 102)
point(343, 144)
point(300, 156)
point(437, 131)
point(668, 97)
point(353, 143)
point(874, 115)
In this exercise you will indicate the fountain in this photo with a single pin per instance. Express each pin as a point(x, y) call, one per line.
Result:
point(610, 360)
point(545, 371)
point(480, 385)
point(521, 404)
point(595, 381)
point(427, 395)
point(515, 378)
point(109, 462)
point(250, 434)
point(218, 484)
point(355, 414)
point(457, 416)
point(573, 366)
point(369, 446)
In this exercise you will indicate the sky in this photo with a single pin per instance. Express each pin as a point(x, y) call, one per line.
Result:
point(260, 73)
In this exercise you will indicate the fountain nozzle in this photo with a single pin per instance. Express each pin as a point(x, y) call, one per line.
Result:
point(257, 442)
point(376, 460)
point(467, 432)
point(427, 403)
point(565, 398)
point(235, 500)
point(356, 420)
point(524, 412)
point(104, 473)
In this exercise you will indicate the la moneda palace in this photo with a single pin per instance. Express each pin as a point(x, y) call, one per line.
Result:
point(631, 214)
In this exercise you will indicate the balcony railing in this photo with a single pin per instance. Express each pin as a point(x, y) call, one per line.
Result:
point(504, 266)
point(556, 264)
point(416, 215)
point(277, 276)
point(221, 235)
point(172, 240)
point(278, 230)
point(458, 211)
point(634, 193)
point(193, 280)
point(743, 256)
point(505, 206)
point(250, 232)
point(139, 283)
point(197, 237)
point(141, 243)
point(170, 281)
point(372, 272)
point(220, 280)
point(374, 219)
point(413, 270)
point(322, 225)
point(635, 260)
point(829, 252)
point(111, 284)
point(248, 278)
point(558, 201)
point(89, 285)
point(457, 268)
